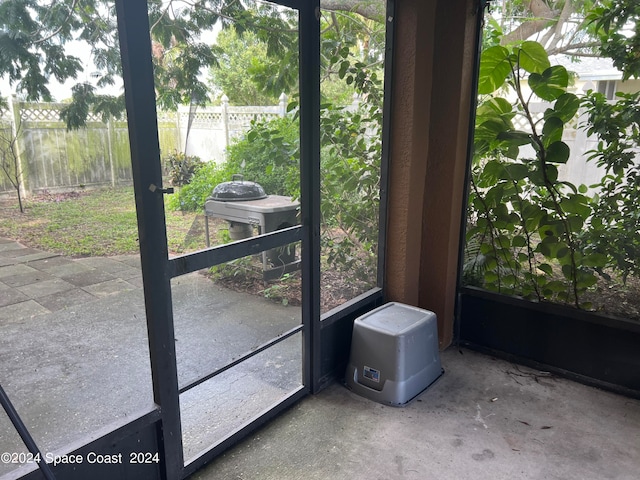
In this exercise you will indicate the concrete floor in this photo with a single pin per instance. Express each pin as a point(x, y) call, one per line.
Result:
point(74, 355)
point(484, 419)
point(73, 358)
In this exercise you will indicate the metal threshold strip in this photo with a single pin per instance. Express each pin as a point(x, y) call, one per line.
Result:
point(242, 358)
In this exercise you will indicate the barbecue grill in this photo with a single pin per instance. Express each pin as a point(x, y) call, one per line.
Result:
point(244, 205)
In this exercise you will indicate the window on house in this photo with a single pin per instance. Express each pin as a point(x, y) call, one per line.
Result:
point(607, 88)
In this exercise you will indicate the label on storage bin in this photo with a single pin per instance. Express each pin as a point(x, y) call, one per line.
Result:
point(371, 374)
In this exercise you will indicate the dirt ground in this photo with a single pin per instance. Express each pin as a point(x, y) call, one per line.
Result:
point(616, 299)
point(334, 288)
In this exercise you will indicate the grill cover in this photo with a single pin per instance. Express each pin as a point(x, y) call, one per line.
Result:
point(237, 190)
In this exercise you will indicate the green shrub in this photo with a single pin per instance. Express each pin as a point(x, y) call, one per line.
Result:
point(181, 168)
point(524, 222)
point(192, 196)
point(268, 154)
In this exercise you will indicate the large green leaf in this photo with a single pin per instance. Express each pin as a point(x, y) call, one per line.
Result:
point(491, 174)
point(598, 260)
point(495, 106)
point(550, 84)
point(558, 152)
point(494, 69)
point(518, 241)
point(566, 106)
point(489, 129)
point(494, 195)
point(552, 130)
point(515, 137)
point(552, 172)
point(516, 171)
point(577, 204)
point(546, 268)
point(533, 57)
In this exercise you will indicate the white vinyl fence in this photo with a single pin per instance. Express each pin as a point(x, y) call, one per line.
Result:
point(50, 158)
point(207, 132)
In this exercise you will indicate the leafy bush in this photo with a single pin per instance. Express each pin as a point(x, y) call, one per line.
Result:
point(525, 223)
point(350, 190)
point(350, 169)
point(530, 233)
point(613, 230)
point(191, 197)
point(350, 172)
point(268, 154)
point(181, 168)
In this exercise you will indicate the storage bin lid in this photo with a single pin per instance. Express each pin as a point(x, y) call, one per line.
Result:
point(395, 317)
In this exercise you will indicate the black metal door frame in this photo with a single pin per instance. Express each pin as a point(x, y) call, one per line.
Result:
point(158, 269)
point(158, 428)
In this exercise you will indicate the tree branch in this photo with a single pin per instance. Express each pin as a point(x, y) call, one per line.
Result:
point(543, 15)
point(59, 29)
point(371, 9)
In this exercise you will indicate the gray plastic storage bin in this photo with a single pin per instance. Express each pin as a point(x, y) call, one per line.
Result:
point(394, 354)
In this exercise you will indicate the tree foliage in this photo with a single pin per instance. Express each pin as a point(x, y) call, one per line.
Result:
point(530, 233)
point(241, 59)
point(615, 223)
point(560, 26)
point(523, 236)
point(36, 36)
point(616, 24)
point(350, 149)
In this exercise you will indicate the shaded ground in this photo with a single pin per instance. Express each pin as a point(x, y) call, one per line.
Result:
point(85, 319)
point(616, 299)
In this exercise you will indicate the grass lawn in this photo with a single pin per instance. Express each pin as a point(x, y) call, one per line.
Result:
point(92, 223)
point(103, 222)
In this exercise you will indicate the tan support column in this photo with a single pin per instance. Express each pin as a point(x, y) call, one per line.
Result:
point(447, 160)
point(432, 91)
point(412, 78)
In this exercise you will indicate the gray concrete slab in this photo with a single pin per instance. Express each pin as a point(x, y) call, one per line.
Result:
point(10, 245)
point(135, 281)
point(45, 287)
point(109, 287)
point(18, 252)
point(86, 366)
point(33, 282)
point(104, 264)
point(88, 277)
point(36, 256)
point(50, 262)
point(131, 260)
point(16, 269)
point(66, 299)
point(66, 269)
point(7, 261)
point(74, 362)
point(26, 278)
point(10, 296)
point(485, 419)
point(26, 309)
